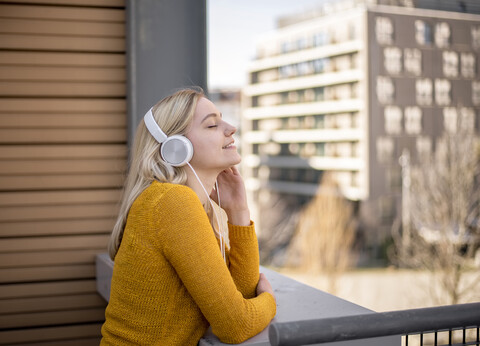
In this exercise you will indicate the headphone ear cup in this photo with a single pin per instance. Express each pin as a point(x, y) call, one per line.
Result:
point(177, 150)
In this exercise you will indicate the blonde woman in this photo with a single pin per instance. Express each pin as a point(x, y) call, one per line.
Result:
point(174, 273)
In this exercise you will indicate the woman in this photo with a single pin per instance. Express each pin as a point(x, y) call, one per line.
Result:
point(170, 280)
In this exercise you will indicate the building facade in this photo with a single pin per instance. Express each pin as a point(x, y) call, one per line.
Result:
point(346, 90)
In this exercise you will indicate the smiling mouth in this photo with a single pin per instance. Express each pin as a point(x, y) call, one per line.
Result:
point(228, 146)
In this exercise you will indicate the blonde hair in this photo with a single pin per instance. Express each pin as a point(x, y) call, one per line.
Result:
point(173, 114)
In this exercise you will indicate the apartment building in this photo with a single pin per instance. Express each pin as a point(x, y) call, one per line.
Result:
point(346, 89)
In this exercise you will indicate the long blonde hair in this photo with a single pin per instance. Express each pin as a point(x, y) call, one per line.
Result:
point(173, 114)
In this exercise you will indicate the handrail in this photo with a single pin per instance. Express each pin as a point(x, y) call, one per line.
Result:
point(374, 325)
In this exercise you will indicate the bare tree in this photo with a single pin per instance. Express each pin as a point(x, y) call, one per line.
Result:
point(277, 225)
point(441, 232)
point(325, 233)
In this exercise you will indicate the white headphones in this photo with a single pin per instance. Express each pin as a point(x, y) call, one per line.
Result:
point(176, 150)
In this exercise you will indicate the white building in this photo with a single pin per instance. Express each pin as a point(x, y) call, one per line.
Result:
point(346, 89)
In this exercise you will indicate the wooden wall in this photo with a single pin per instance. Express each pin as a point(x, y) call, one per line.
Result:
point(62, 160)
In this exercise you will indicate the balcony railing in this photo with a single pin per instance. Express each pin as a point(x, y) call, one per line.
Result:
point(307, 316)
point(444, 325)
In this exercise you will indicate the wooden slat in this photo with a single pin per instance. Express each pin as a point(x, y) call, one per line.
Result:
point(57, 227)
point(62, 13)
point(39, 121)
point(77, 342)
point(54, 243)
point(61, 43)
point(68, 74)
point(38, 304)
point(100, 3)
point(65, 166)
point(61, 182)
point(80, 136)
point(66, 28)
point(50, 334)
point(62, 59)
point(21, 199)
point(58, 212)
point(52, 318)
point(50, 273)
point(59, 89)
point(42, 258)
point(47, 289)
point(63, 151)
point(60, 106)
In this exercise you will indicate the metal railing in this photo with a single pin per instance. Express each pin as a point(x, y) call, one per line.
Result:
point(434, 322)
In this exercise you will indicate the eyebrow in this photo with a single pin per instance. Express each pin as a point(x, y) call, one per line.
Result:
point(211, 115)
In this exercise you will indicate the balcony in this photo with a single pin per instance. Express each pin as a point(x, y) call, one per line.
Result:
point(295, 302)
point(307, 316)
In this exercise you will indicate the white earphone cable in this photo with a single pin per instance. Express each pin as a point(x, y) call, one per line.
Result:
point(220, 232)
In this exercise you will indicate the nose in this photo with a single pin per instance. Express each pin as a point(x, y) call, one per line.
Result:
point(229, 129)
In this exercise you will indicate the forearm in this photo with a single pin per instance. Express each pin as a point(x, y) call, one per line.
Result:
point(244, 259)
point(239, 217)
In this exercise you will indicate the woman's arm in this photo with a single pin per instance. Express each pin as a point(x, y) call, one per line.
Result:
point(244, 259)
point(244, 256)
point(188, 242)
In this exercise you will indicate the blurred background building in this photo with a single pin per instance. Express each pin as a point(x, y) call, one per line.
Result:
point(346, 89)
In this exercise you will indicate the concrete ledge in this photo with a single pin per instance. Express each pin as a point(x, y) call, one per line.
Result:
point(295, 302)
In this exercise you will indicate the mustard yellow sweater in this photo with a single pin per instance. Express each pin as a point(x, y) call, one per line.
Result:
point(170, 280)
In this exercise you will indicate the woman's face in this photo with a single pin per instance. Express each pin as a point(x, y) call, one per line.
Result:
point(211, 136)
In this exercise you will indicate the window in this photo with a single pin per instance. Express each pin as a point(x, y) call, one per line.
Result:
point(450, 64)
point(384, 30)
point(423, 33)
point(392, 60)
point(321, 65)
point(304, 68)
point(301, 43)
point(468, 65)
point(309, 95)
point(385, 89)
point(423, 146)
point(319, 94)
point(475, 31)
point(467, 116)
point(442, 35)
point(413, 61)
point(321, 39)
point(442, 92)
point(413, 120)
point(343, 92)
point(385, 148)
point(450, 119)
point(423, 90)
point(393, 120)
point(453, 119)
point(476, 93)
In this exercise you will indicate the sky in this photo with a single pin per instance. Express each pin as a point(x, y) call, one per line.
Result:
point(233, 25)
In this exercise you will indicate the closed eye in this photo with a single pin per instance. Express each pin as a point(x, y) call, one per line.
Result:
point(212, 126)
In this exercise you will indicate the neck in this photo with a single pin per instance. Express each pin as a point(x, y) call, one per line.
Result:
point(207, 179)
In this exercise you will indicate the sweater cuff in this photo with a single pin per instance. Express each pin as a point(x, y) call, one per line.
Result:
point(242, 232)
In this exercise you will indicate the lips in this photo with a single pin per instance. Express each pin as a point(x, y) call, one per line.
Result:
point(230, 145)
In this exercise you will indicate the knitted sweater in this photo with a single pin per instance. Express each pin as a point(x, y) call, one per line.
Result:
point(170, 280)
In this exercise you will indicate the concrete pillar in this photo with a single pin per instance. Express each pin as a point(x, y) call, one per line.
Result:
point(166, 50)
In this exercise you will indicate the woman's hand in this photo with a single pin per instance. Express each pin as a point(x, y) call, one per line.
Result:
point(264, 285)
point(233, 197)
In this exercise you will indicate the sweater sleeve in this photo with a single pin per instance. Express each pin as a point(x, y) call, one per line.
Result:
point(244, 258)
point(188, 242)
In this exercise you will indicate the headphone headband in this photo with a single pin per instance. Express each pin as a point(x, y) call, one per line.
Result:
point(153, 127)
